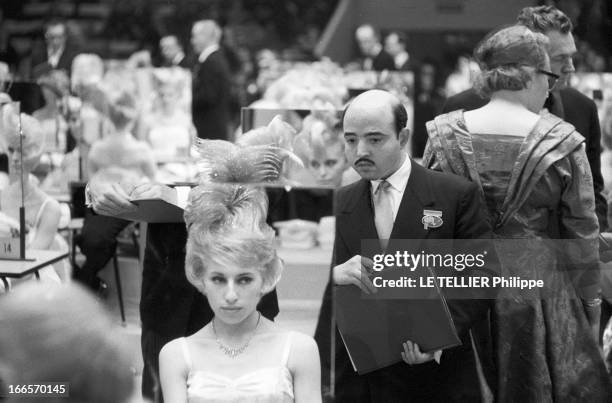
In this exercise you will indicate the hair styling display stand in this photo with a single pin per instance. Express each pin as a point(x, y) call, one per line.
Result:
point(9, 248)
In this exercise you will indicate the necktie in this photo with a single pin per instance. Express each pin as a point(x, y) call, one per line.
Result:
point(383, 212)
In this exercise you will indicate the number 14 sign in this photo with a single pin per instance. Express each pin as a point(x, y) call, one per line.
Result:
point(9, 248)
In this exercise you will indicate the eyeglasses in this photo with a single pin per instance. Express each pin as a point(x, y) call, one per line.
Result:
point(552, 78)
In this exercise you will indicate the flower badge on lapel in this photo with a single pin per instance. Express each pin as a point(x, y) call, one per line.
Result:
point(432, 219)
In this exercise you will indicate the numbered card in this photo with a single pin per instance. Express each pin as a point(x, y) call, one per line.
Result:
point(9, 248)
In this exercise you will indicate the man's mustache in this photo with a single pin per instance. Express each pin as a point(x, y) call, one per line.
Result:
point(364, 160)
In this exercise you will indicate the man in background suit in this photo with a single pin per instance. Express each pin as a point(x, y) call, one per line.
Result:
point(567, 103)
point(210, 82)
point(375, 134)
point(58, 52)
point(375, 57)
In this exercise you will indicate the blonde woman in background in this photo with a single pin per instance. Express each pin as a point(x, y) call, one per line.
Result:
point(43, 213)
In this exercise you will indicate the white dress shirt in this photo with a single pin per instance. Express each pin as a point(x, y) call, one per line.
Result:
point(54, 56)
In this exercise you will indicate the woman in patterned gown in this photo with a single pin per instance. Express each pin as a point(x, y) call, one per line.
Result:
point(534, 176)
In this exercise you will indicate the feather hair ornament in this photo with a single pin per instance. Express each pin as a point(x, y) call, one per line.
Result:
point(257, 157)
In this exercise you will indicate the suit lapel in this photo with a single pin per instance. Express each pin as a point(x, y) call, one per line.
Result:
point(359, 213)
point(555, 105)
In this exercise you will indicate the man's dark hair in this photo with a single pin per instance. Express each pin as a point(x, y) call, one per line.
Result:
point(400, 116)
point(544, 18)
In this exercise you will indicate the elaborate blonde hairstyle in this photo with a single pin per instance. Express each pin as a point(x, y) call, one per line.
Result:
point(31, 129)
point(226, 225)
point(122, 109)
point(87, 70)
point(60, 333)
point(321, 130)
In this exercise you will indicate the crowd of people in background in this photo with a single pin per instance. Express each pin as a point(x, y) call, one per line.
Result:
point(126, 127)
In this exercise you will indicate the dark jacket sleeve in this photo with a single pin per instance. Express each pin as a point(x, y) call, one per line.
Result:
point(323, 332)
point(468, 100)
point(473, 235)
point(593, 151)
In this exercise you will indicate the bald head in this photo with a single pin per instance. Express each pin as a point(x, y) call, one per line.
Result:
point(205, 33)
point(368, 40)
point(375, 134)
point(385, 101)
point(365, 31)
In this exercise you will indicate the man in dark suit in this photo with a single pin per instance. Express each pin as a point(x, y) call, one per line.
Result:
point(375, 133)
point(58, 52)
point(567, 103)
point(210, 82)
point(374, 55)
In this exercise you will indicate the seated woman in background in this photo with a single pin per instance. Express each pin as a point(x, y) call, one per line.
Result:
point(73, 167)
point(42, 212)
point(117, 158)
point(61, 334)
point(86, 82)
point(239, 355)
point(119, 153)
point(55, 85)
point(168, 128)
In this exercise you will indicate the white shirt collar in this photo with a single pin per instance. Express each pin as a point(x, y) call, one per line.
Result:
point(398, 179)
point(54, 56)
point(206, 52)
point(178, 58)
point(400, 59)
point(377, 49)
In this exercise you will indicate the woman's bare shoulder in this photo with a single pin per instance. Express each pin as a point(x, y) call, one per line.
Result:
point(303, 345)
point(171, 348)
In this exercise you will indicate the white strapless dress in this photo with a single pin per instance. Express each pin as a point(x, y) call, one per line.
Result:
point(265, 385)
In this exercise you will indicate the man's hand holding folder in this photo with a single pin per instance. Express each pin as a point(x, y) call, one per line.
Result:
point(145, 201)
point(355, 271)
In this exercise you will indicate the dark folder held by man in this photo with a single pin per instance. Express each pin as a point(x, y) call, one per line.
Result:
point(373, 329)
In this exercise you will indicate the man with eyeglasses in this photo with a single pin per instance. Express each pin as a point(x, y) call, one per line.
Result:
point(58, 52)
point(567, 103)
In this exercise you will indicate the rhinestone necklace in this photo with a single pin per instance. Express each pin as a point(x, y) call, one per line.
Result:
point(234, 352)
